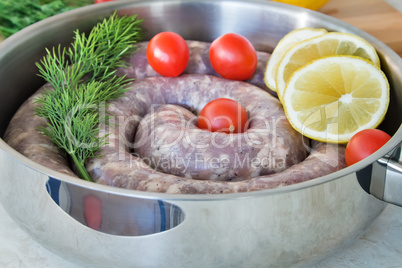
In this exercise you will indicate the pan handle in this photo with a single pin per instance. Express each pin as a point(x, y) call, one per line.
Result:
point(386, 177)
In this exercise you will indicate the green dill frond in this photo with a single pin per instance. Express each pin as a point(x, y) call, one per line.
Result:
point(108, 42)
point(83, 80)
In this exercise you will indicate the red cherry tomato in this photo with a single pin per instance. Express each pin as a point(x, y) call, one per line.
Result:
point(102, 1)
point(93, 211)
point(168, 54)
point(223, 115)
point(233, 57)
point(363, 144)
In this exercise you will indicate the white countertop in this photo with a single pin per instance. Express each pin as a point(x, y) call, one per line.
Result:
point(381, 246)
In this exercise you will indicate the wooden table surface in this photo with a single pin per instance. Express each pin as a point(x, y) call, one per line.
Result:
point(375, 17)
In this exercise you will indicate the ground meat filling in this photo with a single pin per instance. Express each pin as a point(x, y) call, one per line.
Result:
point(168, 139)
point(155, 144)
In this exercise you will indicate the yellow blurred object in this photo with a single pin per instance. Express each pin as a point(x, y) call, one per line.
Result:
point(310, 4)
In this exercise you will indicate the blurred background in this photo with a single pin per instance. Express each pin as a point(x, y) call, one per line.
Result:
point(380, 18)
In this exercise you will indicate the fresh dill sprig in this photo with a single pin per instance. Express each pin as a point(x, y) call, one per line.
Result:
point(18, 14)
point(83, 78)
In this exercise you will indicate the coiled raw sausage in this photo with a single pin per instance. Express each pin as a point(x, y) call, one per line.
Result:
point(152, 96)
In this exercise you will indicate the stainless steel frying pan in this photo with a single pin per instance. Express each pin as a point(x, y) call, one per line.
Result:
point(297, 225)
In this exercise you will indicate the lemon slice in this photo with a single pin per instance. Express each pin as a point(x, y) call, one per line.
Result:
point(333, 98)
point(325, 45)
point(284, 45)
